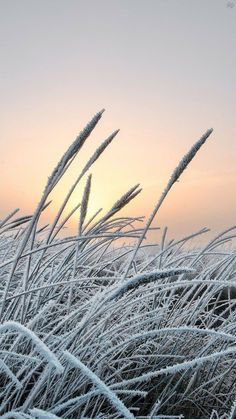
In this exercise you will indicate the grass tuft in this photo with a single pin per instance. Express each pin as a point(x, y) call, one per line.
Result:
point(95, 328)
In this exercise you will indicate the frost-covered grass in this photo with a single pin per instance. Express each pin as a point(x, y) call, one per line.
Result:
point(91, 328)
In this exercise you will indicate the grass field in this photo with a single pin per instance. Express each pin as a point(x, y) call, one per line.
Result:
point(93, 328)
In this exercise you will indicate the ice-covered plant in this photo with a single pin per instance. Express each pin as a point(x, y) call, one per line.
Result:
point(98, 326)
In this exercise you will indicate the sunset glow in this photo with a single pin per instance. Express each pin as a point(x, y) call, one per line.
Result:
point(165, 73)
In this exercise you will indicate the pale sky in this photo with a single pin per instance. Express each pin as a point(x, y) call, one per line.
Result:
point(165, 72)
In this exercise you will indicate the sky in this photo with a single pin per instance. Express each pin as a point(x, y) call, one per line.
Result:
point(165, 72)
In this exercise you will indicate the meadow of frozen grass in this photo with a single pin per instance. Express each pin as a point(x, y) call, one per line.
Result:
point(91, 328)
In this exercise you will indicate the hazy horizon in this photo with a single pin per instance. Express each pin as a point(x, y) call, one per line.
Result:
point(164, 70)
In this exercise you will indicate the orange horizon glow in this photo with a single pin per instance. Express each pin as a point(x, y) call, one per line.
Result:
point(165, 74)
